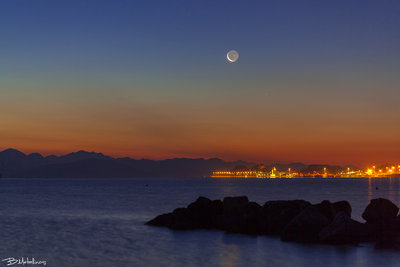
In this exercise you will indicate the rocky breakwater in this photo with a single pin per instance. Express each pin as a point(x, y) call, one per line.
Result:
point(292, 220)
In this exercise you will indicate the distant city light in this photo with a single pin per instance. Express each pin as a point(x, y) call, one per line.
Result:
point(262, 172)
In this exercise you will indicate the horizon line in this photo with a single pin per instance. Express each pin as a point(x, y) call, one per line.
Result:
point(194, 158)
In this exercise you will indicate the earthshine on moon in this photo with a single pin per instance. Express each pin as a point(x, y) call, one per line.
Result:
point(232, 56)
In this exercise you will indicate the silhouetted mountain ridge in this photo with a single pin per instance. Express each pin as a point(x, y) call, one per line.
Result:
point(83, 164)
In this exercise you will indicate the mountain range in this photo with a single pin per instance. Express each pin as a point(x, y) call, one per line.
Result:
point(83, 164)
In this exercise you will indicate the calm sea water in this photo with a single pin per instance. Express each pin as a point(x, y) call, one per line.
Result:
point(100, 222)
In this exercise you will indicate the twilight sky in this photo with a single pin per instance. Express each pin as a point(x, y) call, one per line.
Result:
point(316, 81)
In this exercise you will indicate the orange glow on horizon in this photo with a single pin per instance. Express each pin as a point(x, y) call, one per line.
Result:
point(118, 126)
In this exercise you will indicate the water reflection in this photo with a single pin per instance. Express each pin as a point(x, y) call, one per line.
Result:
point(384, 188)
point(229, 255)
point(228, 187)
point(393, 190)
point(369, 189)
point(97, 222)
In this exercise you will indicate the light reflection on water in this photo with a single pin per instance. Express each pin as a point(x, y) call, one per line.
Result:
point(229, 255)
point(99, 222)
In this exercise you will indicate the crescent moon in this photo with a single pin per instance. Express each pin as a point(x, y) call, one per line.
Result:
point(229, 59)
point(232, 56)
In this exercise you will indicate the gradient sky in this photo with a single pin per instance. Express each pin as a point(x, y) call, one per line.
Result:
point(316, 81)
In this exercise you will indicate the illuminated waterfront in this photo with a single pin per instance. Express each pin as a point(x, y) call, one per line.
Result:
point(320, 172)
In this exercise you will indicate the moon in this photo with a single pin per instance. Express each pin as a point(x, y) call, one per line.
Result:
point(232, 56)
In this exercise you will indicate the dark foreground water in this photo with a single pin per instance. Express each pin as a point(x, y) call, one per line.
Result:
point(100, 222)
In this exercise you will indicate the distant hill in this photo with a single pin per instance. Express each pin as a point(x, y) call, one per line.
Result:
point(82, 164)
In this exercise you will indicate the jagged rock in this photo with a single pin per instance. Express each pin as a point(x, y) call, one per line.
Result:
point(204, 212)
point(327, 209)
point(387, 233)
point(246, 222)
point(275, 215)
point(252, 215)
point(305, 227)
point(380, 210)
point(233, 213)
point(342, 206)
point(182, 220)
point(234, 205)
point(201, 214)
point(162, 220)
point(293, 220)
point(344, 230)
point(200, 203)
point(389, 242)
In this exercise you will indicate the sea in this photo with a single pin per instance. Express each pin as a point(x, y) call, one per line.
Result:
point(101, 222)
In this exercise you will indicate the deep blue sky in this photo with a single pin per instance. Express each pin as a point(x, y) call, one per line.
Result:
point(88, 66)
point(192, 35)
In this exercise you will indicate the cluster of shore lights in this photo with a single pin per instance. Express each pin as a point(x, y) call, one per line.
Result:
point(370, 172)
point(388, 170)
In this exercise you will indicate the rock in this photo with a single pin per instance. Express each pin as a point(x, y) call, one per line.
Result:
point(252, 217)
point(327, 209)
point(344, 230)
point(252, 210)
point(388, 234)
point(204, 212)
point(275, 215)
point(233, 214)
point(247, 222)
point(342, 206)
point(162, 220)
point(182, 220)
point(389, 242)
point(234, 205)
point(380, 210)
point(305, 227)
point(200, 203)
point(201, 214)
point(293, 220)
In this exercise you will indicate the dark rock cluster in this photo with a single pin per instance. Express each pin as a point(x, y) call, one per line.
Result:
point(292, 220)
